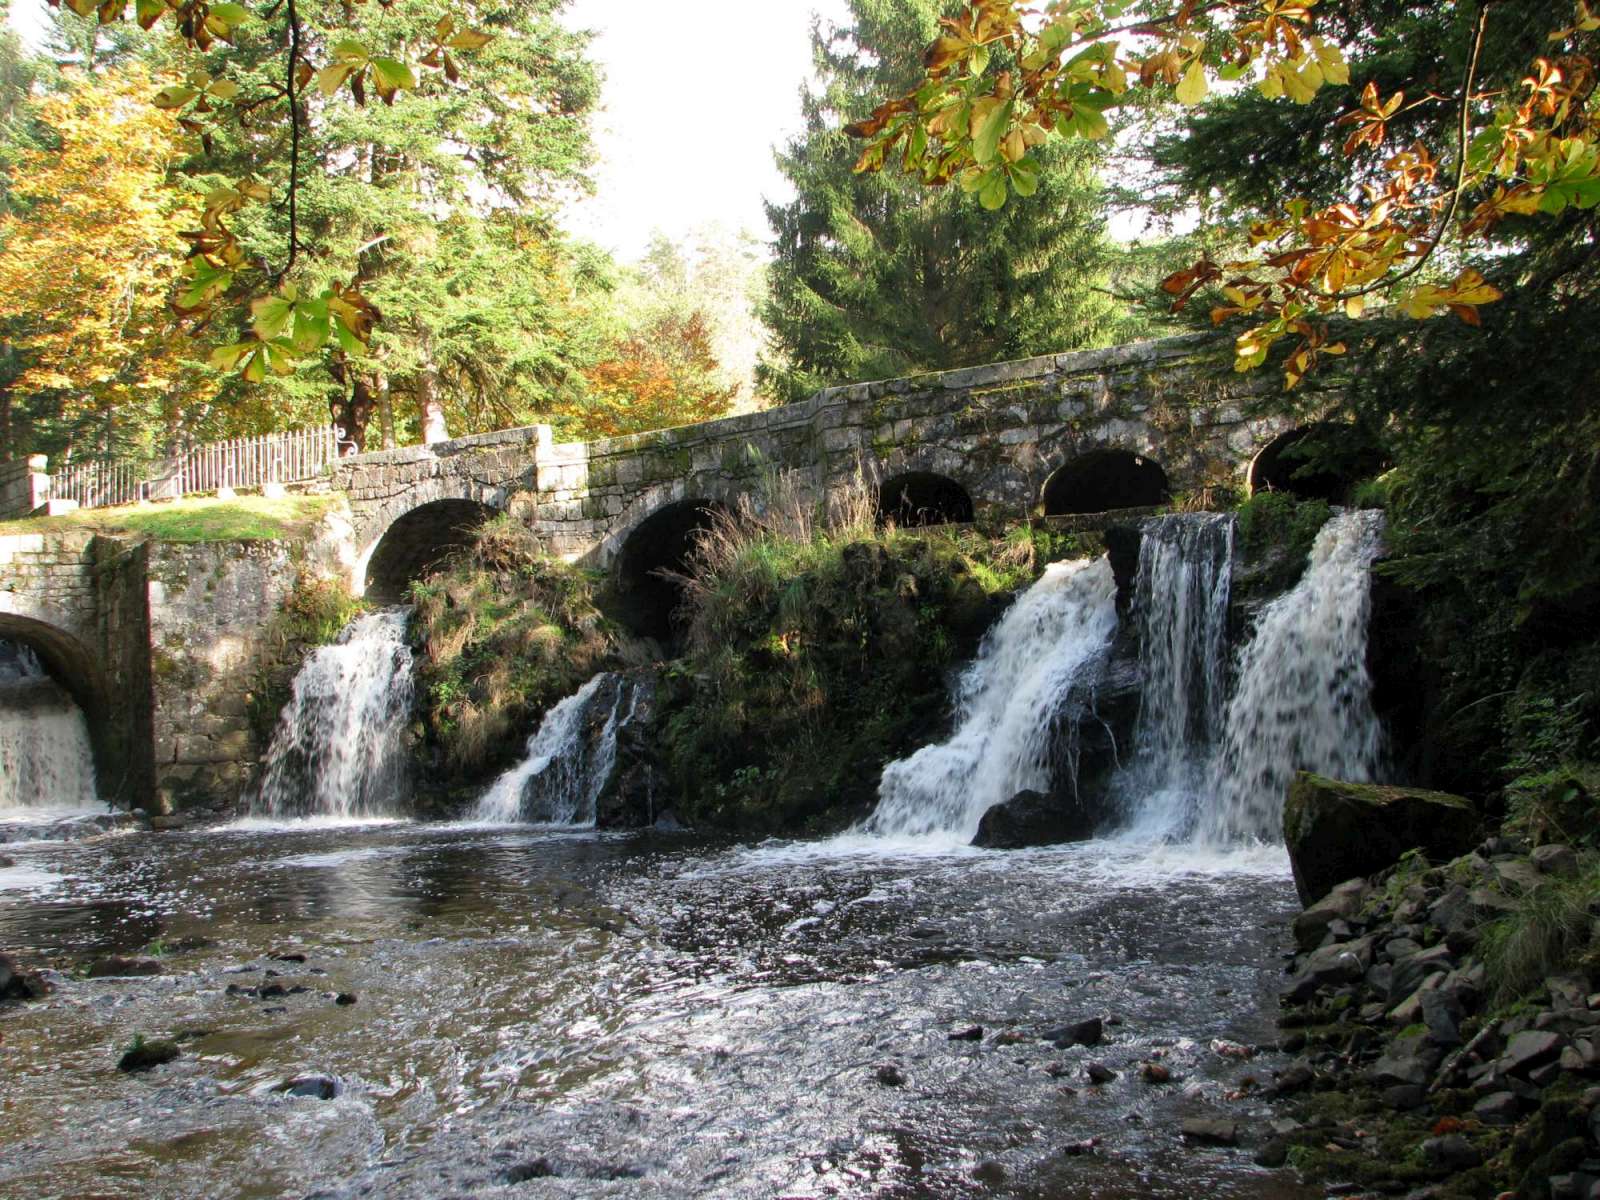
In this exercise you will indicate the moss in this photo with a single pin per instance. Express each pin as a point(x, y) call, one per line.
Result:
point(311, 615)
point(813, 662)
point(1276, 532)
point(1546, 934)
point(504, 633)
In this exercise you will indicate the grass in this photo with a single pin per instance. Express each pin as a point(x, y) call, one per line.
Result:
point(1544, 936)
point(244, 519)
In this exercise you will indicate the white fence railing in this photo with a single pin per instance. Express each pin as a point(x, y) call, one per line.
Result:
point(246, 462)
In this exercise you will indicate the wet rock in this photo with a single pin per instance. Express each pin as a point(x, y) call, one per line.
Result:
point(1412, 971)
point(1080, 1033)
point(1274, 1152)
point(538, 1168)
point(271, 991)
point(1342, 903)
point(1099, 1073)
point(1033, 819)
point(989, 1173)
point(973, 1033)
point(890, 1075)
point(117, 967)
point(345, 999)
point(1329, 966)
point(7, 862)
point(1442, 1012)
point(1210, 1132)
point(1403, 1097)
point(1497, 1108)
point(292, 956)
point(315, 1087)
point(1530, 1049)
point(1337, 831)
point(1517, 876)
point(1155, 1073)
point(143, 1055)
point(1555, 859)
point(1297, 1076)
point(1452, 1152)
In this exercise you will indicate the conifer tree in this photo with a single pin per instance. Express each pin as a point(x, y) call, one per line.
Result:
point(876, 275)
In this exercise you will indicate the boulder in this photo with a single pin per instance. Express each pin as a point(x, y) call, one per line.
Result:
point(1342, 903)
point(1033, 819)
point(1079, 1033)
point(1336, 831)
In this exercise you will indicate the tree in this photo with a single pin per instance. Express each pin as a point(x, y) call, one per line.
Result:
point(877, 276)
point(657, 377)
point(975, 118)
point(88, 257)
point(436, 203)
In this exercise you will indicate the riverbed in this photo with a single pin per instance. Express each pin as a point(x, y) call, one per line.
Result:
point(550, 1013)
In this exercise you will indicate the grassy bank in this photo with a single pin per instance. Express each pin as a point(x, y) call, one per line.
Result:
point(244, 519)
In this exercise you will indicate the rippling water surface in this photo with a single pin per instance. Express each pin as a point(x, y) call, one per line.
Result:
point(576, 1014)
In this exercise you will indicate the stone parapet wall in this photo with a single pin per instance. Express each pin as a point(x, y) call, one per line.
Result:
point(24, 486)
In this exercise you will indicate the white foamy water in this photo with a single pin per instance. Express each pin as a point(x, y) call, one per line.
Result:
point(46, 765)
point(1185, 565)
point(338, 750)
point(1302, 698)
point(1049, 642)
point(564, 769)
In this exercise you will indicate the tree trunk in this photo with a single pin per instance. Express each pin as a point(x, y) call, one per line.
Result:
point(351, 411)
point(429, 407)
point(385, 411)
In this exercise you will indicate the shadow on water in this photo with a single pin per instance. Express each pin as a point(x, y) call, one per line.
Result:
point(549, 1013)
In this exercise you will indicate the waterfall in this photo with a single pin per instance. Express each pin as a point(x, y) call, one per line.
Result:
point(337, 750)
point(567, 762)
point(1181, 606)
point(1302, 700)
point(45, 760)
point(1048, 644)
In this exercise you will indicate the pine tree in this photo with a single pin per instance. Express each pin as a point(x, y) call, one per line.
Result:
point(876, 275)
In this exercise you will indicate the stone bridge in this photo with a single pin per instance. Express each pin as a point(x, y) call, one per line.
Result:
point(1070, 433)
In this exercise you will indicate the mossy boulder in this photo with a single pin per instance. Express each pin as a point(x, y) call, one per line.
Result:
point(1337, 831)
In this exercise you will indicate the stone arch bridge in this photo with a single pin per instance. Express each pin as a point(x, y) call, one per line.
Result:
point(1081, 432)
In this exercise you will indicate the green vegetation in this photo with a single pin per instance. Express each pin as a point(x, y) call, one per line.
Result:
point(310, 616)
point(818, 649)
point(876, 276)
point(1546, 934)
point(245, 519)
point(504, 634)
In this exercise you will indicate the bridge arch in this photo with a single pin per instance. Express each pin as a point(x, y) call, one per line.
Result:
point(1346, 454)
point(1102, 480)
point(74, 665)
point(661, 543)
point(921, 498)
point(416, 542)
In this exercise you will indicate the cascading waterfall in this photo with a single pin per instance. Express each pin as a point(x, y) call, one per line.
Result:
point(45, 760)
point(1048, 645)
point(337, 750)
point(1303, 698)
point(567, 764)
point(1181, 604)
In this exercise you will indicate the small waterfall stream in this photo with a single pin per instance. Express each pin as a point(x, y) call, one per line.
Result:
point(45, 761)
point(1303, 700)
point(1048, 644)
point(337, 751)
point(1181, 604)
point(567, 763)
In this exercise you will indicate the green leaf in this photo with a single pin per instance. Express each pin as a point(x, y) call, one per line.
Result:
point(224, 89)
point(310, 326)
point(980, 59)
point(1089, 122)
point(350, 51)
point(331, 79)
point(175, 96)
point(393, 75)
point(348, 341)
point(269, 316)
point(148, 12)
point(993, 194)
point(470, 39)
point(1024, 177)
point(987, 142)
point(226, 358)
point(230, 14)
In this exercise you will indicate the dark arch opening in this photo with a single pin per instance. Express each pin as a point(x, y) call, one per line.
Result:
point(75, 675)
point(648, 602)
point(1316, 462)
point(1103, 480)
point(920, 498)
point(419, 542)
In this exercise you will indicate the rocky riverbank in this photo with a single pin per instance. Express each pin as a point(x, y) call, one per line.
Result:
point(1447, 1022)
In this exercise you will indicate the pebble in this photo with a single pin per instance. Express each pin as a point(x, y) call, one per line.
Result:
point(1099, 1073)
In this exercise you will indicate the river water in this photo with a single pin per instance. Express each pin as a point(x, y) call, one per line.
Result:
point(556, 1013)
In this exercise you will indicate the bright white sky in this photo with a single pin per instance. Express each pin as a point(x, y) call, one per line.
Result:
point(696, 96)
